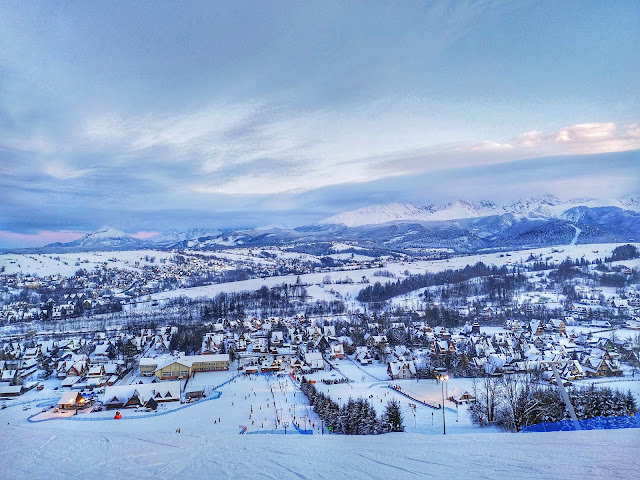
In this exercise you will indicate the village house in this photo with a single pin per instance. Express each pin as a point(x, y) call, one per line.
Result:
point(601, 363)
point(141, 395)
point(459, 395)
point(337, 351)
point(377, 341)
point(401, 369)
point(363, 356)
point(70, 400)
point(314, 360)
point(536, 327)
point(189, 365)
point(102, 352)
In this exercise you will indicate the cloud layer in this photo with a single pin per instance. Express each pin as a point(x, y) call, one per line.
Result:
point(151, 116)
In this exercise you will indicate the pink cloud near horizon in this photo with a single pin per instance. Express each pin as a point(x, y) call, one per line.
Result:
point(43, 237)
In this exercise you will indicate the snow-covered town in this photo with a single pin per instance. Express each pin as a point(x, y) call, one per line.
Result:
point(428, 349)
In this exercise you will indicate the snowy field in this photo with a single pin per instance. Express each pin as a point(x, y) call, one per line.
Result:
point(66, 264)
point(399, 270)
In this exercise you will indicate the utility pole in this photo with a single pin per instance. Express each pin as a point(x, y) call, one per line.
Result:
point(564, 394)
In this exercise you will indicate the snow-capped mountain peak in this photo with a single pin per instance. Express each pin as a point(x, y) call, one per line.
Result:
point(104, 237)
point(453, 211)
point(174, 236)
point(105, 232)
point(376, 214)
point(392, 212)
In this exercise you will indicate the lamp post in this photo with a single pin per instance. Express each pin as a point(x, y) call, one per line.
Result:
point(444, 378)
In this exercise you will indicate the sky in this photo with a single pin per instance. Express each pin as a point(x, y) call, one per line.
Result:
point(147, 116)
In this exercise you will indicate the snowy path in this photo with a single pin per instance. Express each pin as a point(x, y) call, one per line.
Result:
point(574, 241)
point(363, 370)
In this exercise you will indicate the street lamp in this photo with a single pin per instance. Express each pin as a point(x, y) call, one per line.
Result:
point(444, 378)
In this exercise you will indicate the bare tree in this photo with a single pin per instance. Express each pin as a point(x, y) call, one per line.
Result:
point(517, 404)
point(487, 390)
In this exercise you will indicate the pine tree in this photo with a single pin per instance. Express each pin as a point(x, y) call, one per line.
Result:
point(393, 417)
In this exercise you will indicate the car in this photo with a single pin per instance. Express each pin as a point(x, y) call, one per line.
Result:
point(56, 388)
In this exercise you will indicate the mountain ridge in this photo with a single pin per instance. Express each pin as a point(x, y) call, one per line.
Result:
point(459, 226)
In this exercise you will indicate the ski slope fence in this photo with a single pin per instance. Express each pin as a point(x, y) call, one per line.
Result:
point(595, 423)
point(420, 401)
point(277, 432)
point(301, 431)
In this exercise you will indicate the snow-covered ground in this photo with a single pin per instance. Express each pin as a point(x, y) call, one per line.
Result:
point(46, 451)
point(66, 264)
point(264, 402)
point(209, 443)
point(399, 270)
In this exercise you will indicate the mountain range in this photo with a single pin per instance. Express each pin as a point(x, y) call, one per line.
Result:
point(544, 206)
point(459, 226)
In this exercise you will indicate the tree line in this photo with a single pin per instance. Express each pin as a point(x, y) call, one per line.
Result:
point(380, 293)
point(514, 401)
point(355, 417)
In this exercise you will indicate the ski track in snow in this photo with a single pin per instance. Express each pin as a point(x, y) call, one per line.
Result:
point(113, 455)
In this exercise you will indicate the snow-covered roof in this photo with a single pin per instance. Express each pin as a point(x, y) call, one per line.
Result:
point(145, 391)
point(69, 398)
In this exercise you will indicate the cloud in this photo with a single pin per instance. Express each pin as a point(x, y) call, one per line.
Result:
point(596, 137)
point(118, 114)
point(489, 146)
point(633, 130)
point(529, 139)
point(586, 132)
point(64, 172)
point(42, 237)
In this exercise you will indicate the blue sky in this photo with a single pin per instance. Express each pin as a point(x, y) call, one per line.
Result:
point(155, 115)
